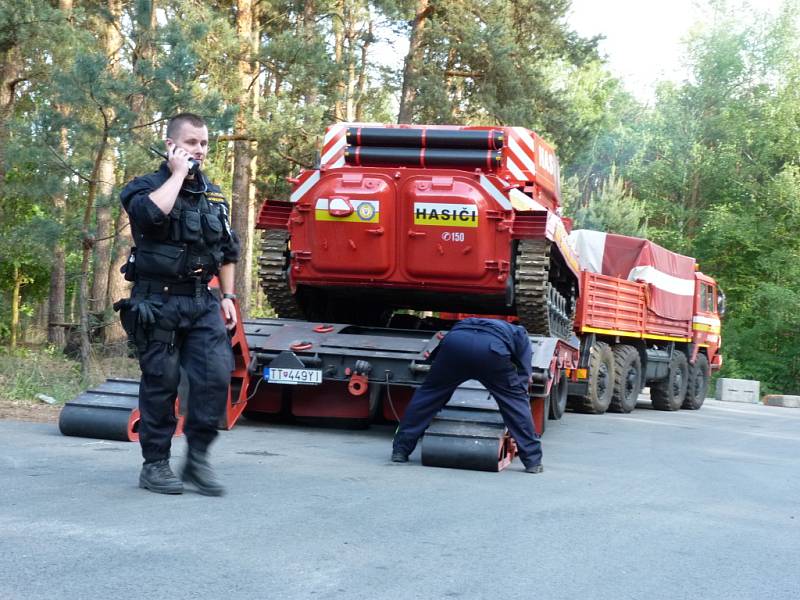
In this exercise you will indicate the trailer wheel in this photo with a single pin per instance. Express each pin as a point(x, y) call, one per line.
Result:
point(627, 379)
point(669, 393)
point(601, 380)
point(558, 397)
point(698, 383)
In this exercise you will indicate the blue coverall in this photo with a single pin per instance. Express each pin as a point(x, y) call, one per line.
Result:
point(495, 353)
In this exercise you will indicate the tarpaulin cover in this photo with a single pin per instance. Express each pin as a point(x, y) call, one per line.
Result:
point(670, 276)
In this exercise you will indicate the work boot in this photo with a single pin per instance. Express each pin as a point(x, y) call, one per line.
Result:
point(158, 477)
point(198, 472)
point(534, 468)
point(399, 457)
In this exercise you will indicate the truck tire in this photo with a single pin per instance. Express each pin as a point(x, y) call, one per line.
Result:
point(601, 381)
point(669, 393)
point(698, 384)
point(558, 397)
point(627, 379)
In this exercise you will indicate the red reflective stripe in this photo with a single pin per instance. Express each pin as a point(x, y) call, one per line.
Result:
point(358, 136)
point(424, 137)
point(488, 160)
point(422, 156)
point(358, 156)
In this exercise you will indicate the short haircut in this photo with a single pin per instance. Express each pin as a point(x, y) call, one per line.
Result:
point(175, 123)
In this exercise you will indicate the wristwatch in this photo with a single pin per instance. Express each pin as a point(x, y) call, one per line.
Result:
point(229, 296)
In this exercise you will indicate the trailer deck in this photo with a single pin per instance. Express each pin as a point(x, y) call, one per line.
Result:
point(339, 374)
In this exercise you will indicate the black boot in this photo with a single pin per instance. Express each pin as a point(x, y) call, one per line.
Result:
point(158, 477)
point(399, 457)
point(198, 472)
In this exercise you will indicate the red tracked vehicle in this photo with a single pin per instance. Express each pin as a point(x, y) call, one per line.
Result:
point(462, 219)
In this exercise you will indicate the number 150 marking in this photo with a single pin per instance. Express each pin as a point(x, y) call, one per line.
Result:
point(453, 236)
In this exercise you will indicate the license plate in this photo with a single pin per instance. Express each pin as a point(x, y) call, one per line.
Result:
point(294, 376)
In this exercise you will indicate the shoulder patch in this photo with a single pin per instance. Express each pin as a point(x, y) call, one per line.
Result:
point(215, 197)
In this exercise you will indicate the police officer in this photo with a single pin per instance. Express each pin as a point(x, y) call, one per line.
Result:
point(182, 237)
point(496, 353)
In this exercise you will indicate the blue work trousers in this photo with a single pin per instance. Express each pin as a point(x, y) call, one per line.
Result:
point(472, 354)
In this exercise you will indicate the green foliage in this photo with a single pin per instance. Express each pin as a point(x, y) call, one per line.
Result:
point(612, 209)
point(718, 172)
point(507, 63)
point(711, 168)
point(26, 372)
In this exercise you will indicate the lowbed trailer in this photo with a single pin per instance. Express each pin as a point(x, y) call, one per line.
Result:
point(349, 375)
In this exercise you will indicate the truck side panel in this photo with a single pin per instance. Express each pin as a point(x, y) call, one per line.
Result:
point(614, 306)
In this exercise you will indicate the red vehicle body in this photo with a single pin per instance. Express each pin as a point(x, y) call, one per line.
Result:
point(426, 218)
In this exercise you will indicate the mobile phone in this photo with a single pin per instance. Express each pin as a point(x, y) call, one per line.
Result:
point(191, 163)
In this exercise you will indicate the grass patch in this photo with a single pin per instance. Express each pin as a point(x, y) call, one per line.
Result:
point(25, 372)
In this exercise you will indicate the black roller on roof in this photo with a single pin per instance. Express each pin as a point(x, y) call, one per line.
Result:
point(369, 156)
point(470, 139)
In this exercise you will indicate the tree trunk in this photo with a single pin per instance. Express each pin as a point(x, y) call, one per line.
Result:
point(145, 23)
point(251, 215)
point(144, 51)
point(58, 276)
point(241, 209)
point(118, 287)
point(88, 244)
point(455, 87)
point(338, 57)
point(352, 79)
point(17, 281)
point(112, 42)
point(309, 29)
point(42, 317)
point(104, 233)
point(411, 67)
point(10, 77)
point(73, 304)
point(362, 75)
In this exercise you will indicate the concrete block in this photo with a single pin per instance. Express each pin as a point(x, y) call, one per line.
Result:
point(782, 400)
point(738, 390)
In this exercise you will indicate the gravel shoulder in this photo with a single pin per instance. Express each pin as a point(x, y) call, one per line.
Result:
point(13, 410)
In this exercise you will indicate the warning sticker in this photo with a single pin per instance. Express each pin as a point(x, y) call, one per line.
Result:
point(445, 215)
point(363, 211)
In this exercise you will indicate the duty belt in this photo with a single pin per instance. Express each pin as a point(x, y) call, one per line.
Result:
point(193, 287)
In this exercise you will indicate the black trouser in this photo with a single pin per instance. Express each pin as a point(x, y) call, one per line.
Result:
point(471, 354)
point(201, 346)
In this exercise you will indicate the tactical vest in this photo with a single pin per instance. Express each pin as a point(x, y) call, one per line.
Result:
point(191, 245)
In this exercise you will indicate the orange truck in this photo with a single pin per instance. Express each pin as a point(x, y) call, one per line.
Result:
point(646, 316)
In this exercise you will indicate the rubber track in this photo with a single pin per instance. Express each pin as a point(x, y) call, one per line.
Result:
point(531, 289)
point(537, 311)
point(271, 273)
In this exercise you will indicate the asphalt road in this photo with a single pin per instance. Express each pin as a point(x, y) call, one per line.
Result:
point(651, 505)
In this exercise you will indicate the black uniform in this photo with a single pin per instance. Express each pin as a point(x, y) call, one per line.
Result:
point(496, 353)
point(172, 317)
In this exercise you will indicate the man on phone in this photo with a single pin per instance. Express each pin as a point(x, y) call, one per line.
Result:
point(182, 237)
